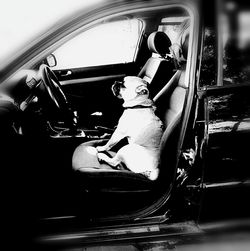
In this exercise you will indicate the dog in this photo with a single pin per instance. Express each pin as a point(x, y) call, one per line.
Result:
point(140, 126)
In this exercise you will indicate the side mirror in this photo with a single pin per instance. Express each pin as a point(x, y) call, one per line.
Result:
point(51, 60)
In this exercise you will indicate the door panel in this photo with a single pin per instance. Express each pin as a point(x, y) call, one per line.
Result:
point(225, 78)
point(227, 170)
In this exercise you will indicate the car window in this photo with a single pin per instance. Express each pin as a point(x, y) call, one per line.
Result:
point(105, 44)
point(235, 43)
point(171, 26)
point(226, 46)
point(209, 58)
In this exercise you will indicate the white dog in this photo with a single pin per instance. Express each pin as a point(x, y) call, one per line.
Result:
point(140, 125)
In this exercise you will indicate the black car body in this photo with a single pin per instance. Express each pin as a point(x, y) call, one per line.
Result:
point(206, 185)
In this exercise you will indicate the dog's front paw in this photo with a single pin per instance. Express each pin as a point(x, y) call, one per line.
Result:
point(102, 157)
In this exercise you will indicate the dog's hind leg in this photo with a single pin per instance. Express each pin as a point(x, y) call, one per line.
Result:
point(115, 161)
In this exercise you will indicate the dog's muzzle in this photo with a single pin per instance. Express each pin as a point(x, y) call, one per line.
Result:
point(116, 87)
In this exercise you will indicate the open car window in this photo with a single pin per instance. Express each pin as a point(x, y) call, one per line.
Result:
point(171, 26)
point(235, 42)
point(105, 44)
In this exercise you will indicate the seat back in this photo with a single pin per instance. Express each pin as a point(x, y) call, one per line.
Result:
point(170, 103)
point(157, 70)
point(170, 99)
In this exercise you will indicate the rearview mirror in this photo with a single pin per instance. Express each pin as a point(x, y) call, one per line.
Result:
point(51, 60)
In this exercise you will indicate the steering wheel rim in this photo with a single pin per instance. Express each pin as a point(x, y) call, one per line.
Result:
point(55, 93)
point(53, 88)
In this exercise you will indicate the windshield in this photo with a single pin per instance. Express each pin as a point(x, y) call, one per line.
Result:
point(20, 21)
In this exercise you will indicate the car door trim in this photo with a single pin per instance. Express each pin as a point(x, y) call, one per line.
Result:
point(228, 184)
point(91, 79)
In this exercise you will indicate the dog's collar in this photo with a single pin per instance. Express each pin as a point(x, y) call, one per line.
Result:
point(137, 107)
point(138, 103)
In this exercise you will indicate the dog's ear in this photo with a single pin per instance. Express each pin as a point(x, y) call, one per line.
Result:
point(141, 90)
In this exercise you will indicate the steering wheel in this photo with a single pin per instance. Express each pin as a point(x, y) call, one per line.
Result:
point(56, 95)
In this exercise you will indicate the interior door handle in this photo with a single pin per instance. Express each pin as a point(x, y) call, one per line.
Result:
point(65, 73)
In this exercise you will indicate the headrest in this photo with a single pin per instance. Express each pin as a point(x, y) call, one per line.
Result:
point(159, 42)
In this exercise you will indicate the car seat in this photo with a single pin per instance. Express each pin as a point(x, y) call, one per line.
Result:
point(169, 102)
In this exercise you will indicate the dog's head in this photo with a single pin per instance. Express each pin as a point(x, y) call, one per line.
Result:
point(130, 88)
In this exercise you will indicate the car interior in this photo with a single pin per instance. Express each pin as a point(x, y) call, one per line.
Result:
point(63, 108)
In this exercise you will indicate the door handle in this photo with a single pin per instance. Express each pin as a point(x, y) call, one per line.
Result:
point(65, 73)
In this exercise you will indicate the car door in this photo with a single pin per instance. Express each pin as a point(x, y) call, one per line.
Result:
point(89, 63)
point(225, 95)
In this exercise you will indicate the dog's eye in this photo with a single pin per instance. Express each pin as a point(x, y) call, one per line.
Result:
point(120, 84)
